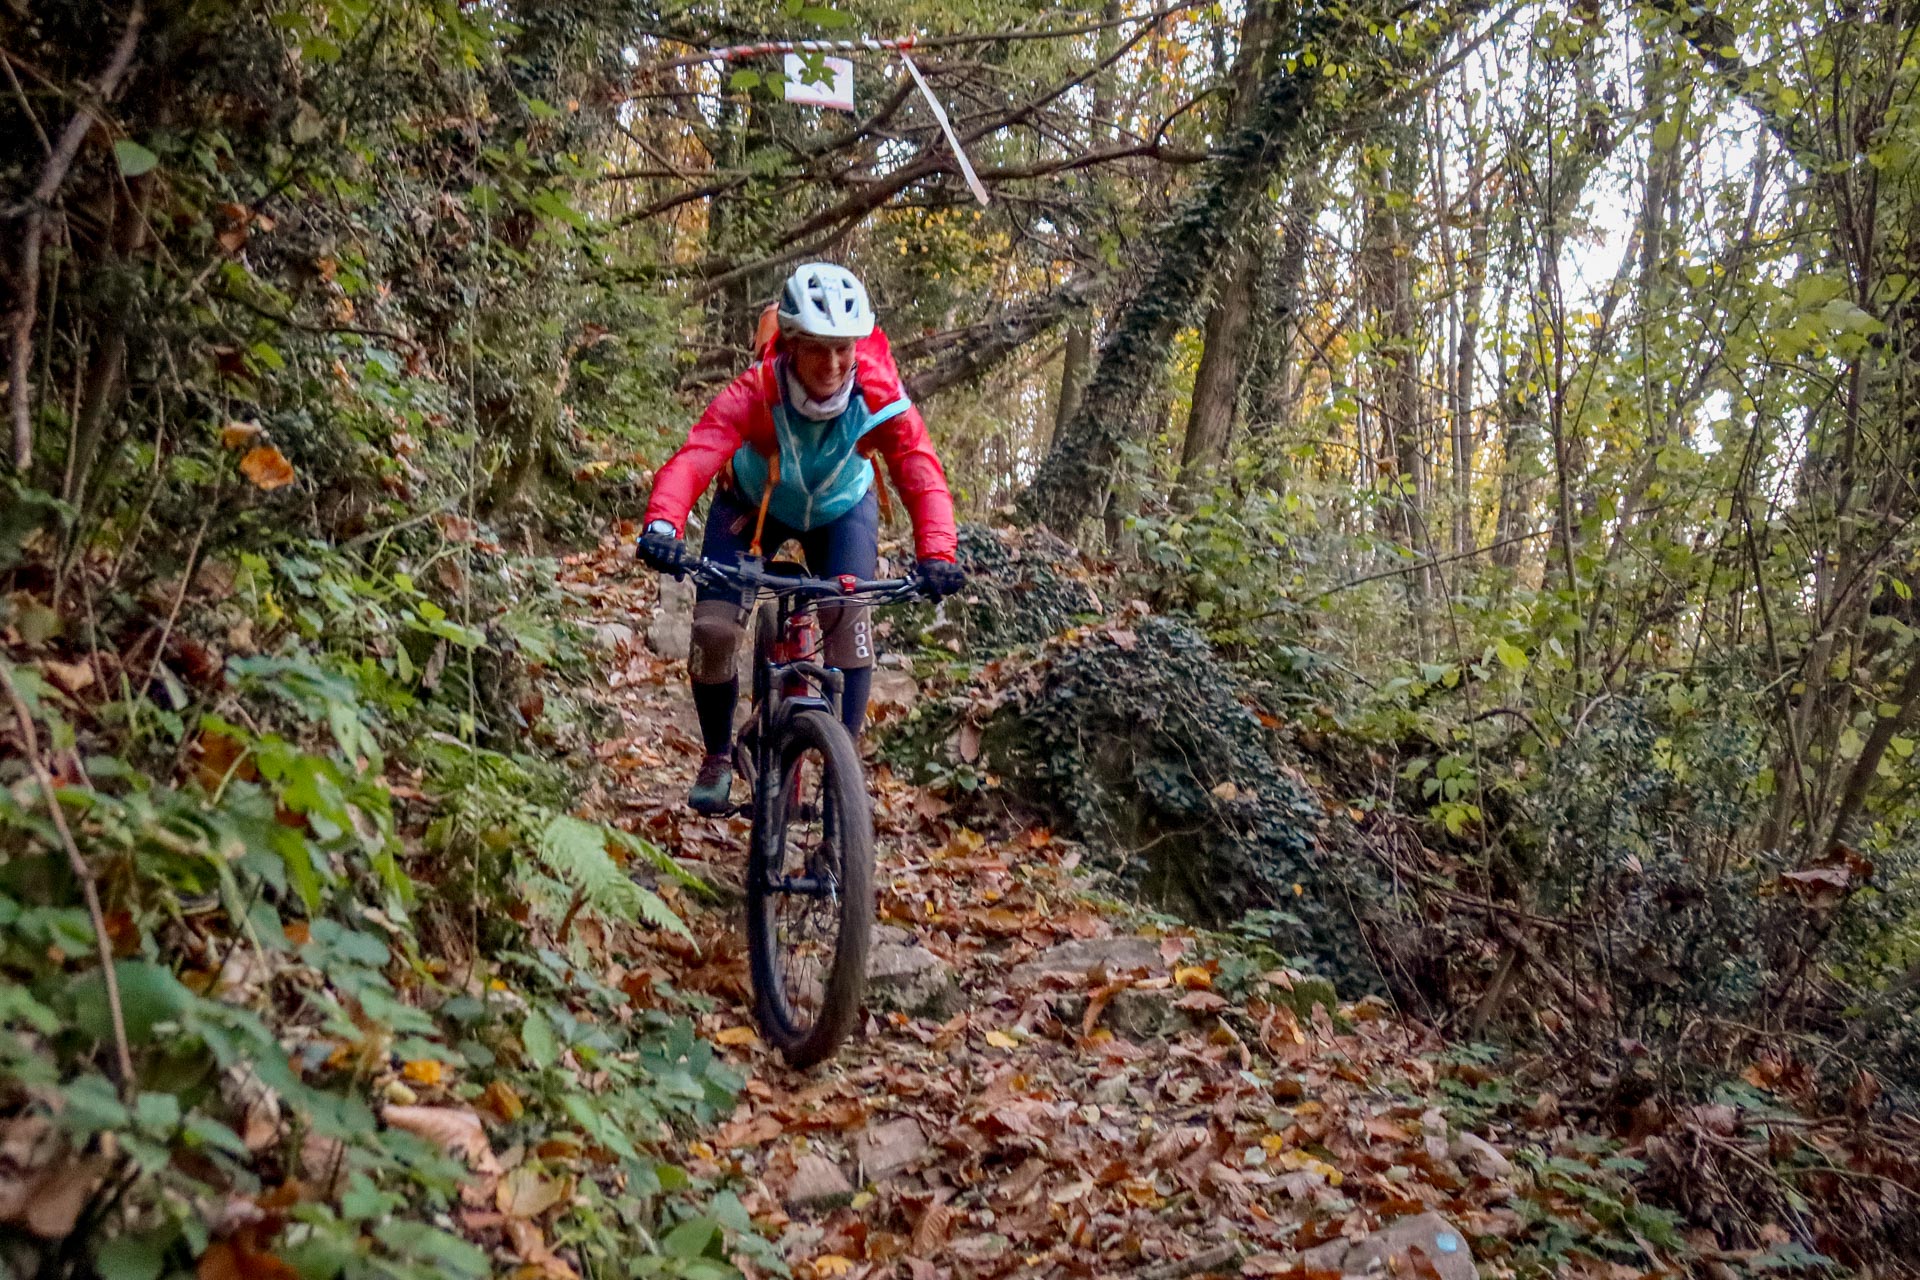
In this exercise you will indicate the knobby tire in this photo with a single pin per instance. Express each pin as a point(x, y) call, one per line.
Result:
point(840, 793)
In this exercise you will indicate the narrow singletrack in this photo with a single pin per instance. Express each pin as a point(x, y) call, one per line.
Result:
point(1116, 1117)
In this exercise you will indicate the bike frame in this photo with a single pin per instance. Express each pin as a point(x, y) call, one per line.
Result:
point(795, 680)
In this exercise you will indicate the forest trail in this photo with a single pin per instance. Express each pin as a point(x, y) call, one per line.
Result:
point(1039, 1090)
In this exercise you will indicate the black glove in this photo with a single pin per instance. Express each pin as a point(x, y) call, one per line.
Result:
point(661, 548)
point(940, 578)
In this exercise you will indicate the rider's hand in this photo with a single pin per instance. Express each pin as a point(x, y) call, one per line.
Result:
point(661, 548)
point(940, 578)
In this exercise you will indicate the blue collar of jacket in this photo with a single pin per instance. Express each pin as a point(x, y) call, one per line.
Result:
point(822, 474)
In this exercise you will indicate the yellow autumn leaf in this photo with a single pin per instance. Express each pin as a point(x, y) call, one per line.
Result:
point(425, 1071)
point(1193, 977)
point(737, 1036)
point(1001, 1040)
point(831, 1264)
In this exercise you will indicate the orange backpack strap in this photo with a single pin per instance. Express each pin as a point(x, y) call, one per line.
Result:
point(880, 488)
point(766, 333)
point(760, 521)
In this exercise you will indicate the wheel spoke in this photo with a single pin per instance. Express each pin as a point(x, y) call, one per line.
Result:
point(805, 881)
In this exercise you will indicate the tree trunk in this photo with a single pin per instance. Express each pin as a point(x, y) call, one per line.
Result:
point(1075, 360)
point(1287, 120)
point(1216, 387)
point(1387, 258)
point(1273, 394)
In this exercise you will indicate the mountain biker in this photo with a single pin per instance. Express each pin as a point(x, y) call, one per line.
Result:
point(796, 442)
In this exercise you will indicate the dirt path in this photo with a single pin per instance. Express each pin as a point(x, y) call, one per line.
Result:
point(1040, 1091)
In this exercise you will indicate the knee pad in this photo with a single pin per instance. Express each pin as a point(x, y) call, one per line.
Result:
point(717, 631)
point(847, 637)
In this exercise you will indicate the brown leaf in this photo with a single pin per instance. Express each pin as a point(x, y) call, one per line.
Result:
point(760, 1128)
point(221, 755)
point(1201, 1002)
point(267, 467)
point(454, 1129)
point(57, 1196)
point(501, 1102)
point(1863, 1094)
point(931, 1231)
point(70, 676)
point(238, 1260)
point(525, 1193)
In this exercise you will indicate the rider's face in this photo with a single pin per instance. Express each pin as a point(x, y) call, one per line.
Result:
point(823, 365)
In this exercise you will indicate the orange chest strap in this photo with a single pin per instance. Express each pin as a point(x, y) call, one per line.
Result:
point(880, 487)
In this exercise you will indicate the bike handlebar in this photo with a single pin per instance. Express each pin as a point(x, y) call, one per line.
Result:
point(840, 588)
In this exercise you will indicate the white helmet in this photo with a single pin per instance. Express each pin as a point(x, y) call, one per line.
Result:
point(825, 301)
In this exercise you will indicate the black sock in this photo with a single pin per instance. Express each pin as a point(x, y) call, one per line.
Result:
point(714, 703)
point(856, 686)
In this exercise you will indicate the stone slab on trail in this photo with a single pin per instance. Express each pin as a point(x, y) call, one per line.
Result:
point(817, 1183)
point(670, 634)
point(1085, 957)
point(886, 1149)
point(1399, 1249)
point(911, 979)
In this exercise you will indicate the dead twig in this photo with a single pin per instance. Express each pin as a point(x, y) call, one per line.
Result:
point(52, 176)
point(30, 743)
point(1206, 1260)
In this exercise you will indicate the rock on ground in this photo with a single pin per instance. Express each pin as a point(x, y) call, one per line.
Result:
point(671, 632)
point(1390, 1251)
point(1481, 1156)
point(886, 1149)
point(818, 1184)
point(911, 979)
point(1084, 957)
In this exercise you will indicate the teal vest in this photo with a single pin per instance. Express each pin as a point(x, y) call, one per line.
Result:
point(822, 475)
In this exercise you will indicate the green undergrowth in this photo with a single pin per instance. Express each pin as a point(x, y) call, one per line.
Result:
point(364, 951)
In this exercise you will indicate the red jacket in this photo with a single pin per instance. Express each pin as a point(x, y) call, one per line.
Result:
point(743, 414)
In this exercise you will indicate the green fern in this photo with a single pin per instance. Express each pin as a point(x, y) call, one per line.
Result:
point(576, 851)
point(661, 861)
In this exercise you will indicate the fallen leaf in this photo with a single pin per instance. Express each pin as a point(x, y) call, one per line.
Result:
point(832, 1265)
point(220, 756)
point(931, 1231)
point(526, 1193)
point(453, 1129)
point(70, 676)
point(501, 1102)
point(1001, 1040)
point(55, 1198)
point(267, 467)
point(737, 1036)
point(1201, 1002)
point(237, 1260)
point(1193, 977)
point(428, 1071)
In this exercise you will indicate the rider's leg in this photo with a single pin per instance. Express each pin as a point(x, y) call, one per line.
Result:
point(712, 664)
point(850, 544)
point(719, 618)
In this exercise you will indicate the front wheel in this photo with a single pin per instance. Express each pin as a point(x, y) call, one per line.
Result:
point(810, 891)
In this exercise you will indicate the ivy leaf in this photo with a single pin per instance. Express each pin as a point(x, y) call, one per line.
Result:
point(133, 158)
point(130, 1258)
point(536, 1036)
